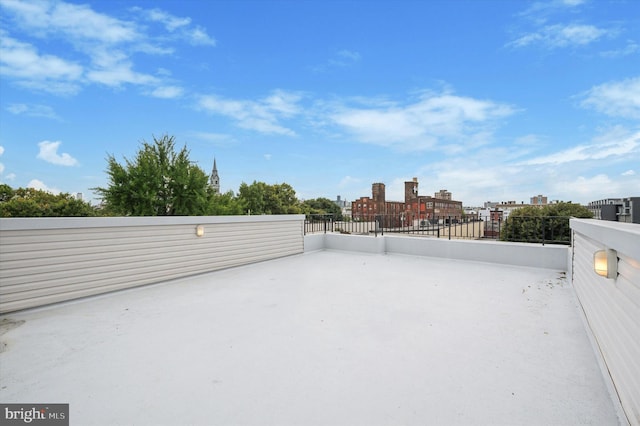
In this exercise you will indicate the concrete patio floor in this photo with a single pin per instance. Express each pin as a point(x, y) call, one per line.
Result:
point(323, 338)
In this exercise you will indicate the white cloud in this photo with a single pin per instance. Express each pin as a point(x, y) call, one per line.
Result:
point(616, 98)
point(38, 184)
point(111, 67)
point(29, 68)
point(475, 180)
point(491, 174)
point(631, 48)
point(216, 139)
point(77, 21)
point(558, 36)
point(345, 58)
point(429, 121)
point(49, 153)
point(101, 46)
point(171, 22)
point(1, 150)
point(587, 187)
point(341, 59)
point(199, 36)
point(612, 144)
point(348, 181)
point(181, 26)
point(546, 7)
point(263, 115)
point(349, 54)
point(122, 73)
point(44, 111)
point(167, 92)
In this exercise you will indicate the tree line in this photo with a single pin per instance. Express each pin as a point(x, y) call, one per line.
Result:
point(548, 223)
point(161, 180)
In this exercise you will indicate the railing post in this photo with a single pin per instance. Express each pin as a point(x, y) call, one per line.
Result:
point(543, 230)
point(449, 227)
point(375, 226)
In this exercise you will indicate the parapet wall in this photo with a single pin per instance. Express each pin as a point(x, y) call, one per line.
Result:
point(48, 260)
point(520, 254)
point(612, 305)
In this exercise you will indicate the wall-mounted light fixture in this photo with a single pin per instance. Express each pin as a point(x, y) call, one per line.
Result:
point(605, 263)
point(199, 231)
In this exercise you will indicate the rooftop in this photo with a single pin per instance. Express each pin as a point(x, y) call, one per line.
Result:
point(320, 338)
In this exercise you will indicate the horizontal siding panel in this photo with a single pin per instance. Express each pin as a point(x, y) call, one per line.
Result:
point(30, 266)
point(629, 279)
point(117, 239)
point(41, 266)
point(204, 260)
point(143, 275)
point(50, 256)
point(155, 271)
point(612, 309)
point(51, 239)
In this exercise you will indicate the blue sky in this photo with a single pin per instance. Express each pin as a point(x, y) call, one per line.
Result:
point(492, 100)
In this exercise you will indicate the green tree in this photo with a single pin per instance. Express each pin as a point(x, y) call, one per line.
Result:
point(158, 182)
point(549, 223)
point(261, 198)
point(322, 206)
point(29, 202)
point(6, 192)
point(224, 204)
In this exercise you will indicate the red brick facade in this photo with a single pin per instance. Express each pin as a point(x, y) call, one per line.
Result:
point(415, 206)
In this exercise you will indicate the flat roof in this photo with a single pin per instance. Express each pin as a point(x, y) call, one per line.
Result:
point(321, 338)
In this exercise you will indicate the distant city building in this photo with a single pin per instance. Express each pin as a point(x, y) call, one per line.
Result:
point(78, 195)
point(495, 213)
point(605, 209)
point(443, 194)
point(214, 180)
point(345, 206)
point(414, 208)
point(616, 209)
point(538, 200)
point(471, 213)
point(340, 202)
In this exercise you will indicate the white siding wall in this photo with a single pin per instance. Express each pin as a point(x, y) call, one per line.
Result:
point(612, 306)
point(48, 260)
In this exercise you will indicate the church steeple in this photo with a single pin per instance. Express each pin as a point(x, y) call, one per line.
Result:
point(214, 180)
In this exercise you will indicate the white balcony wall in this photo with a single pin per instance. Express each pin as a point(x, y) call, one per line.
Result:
point(521, 254)
point(48, 260)
point(612, 306)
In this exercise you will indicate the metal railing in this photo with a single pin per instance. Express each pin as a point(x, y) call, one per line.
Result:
point(544, 230)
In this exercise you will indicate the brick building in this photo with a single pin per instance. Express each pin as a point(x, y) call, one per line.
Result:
point(538, 200)
point(414, 209)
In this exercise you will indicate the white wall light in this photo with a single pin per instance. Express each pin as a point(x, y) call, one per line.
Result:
point(605, 263)
point(199, 231)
